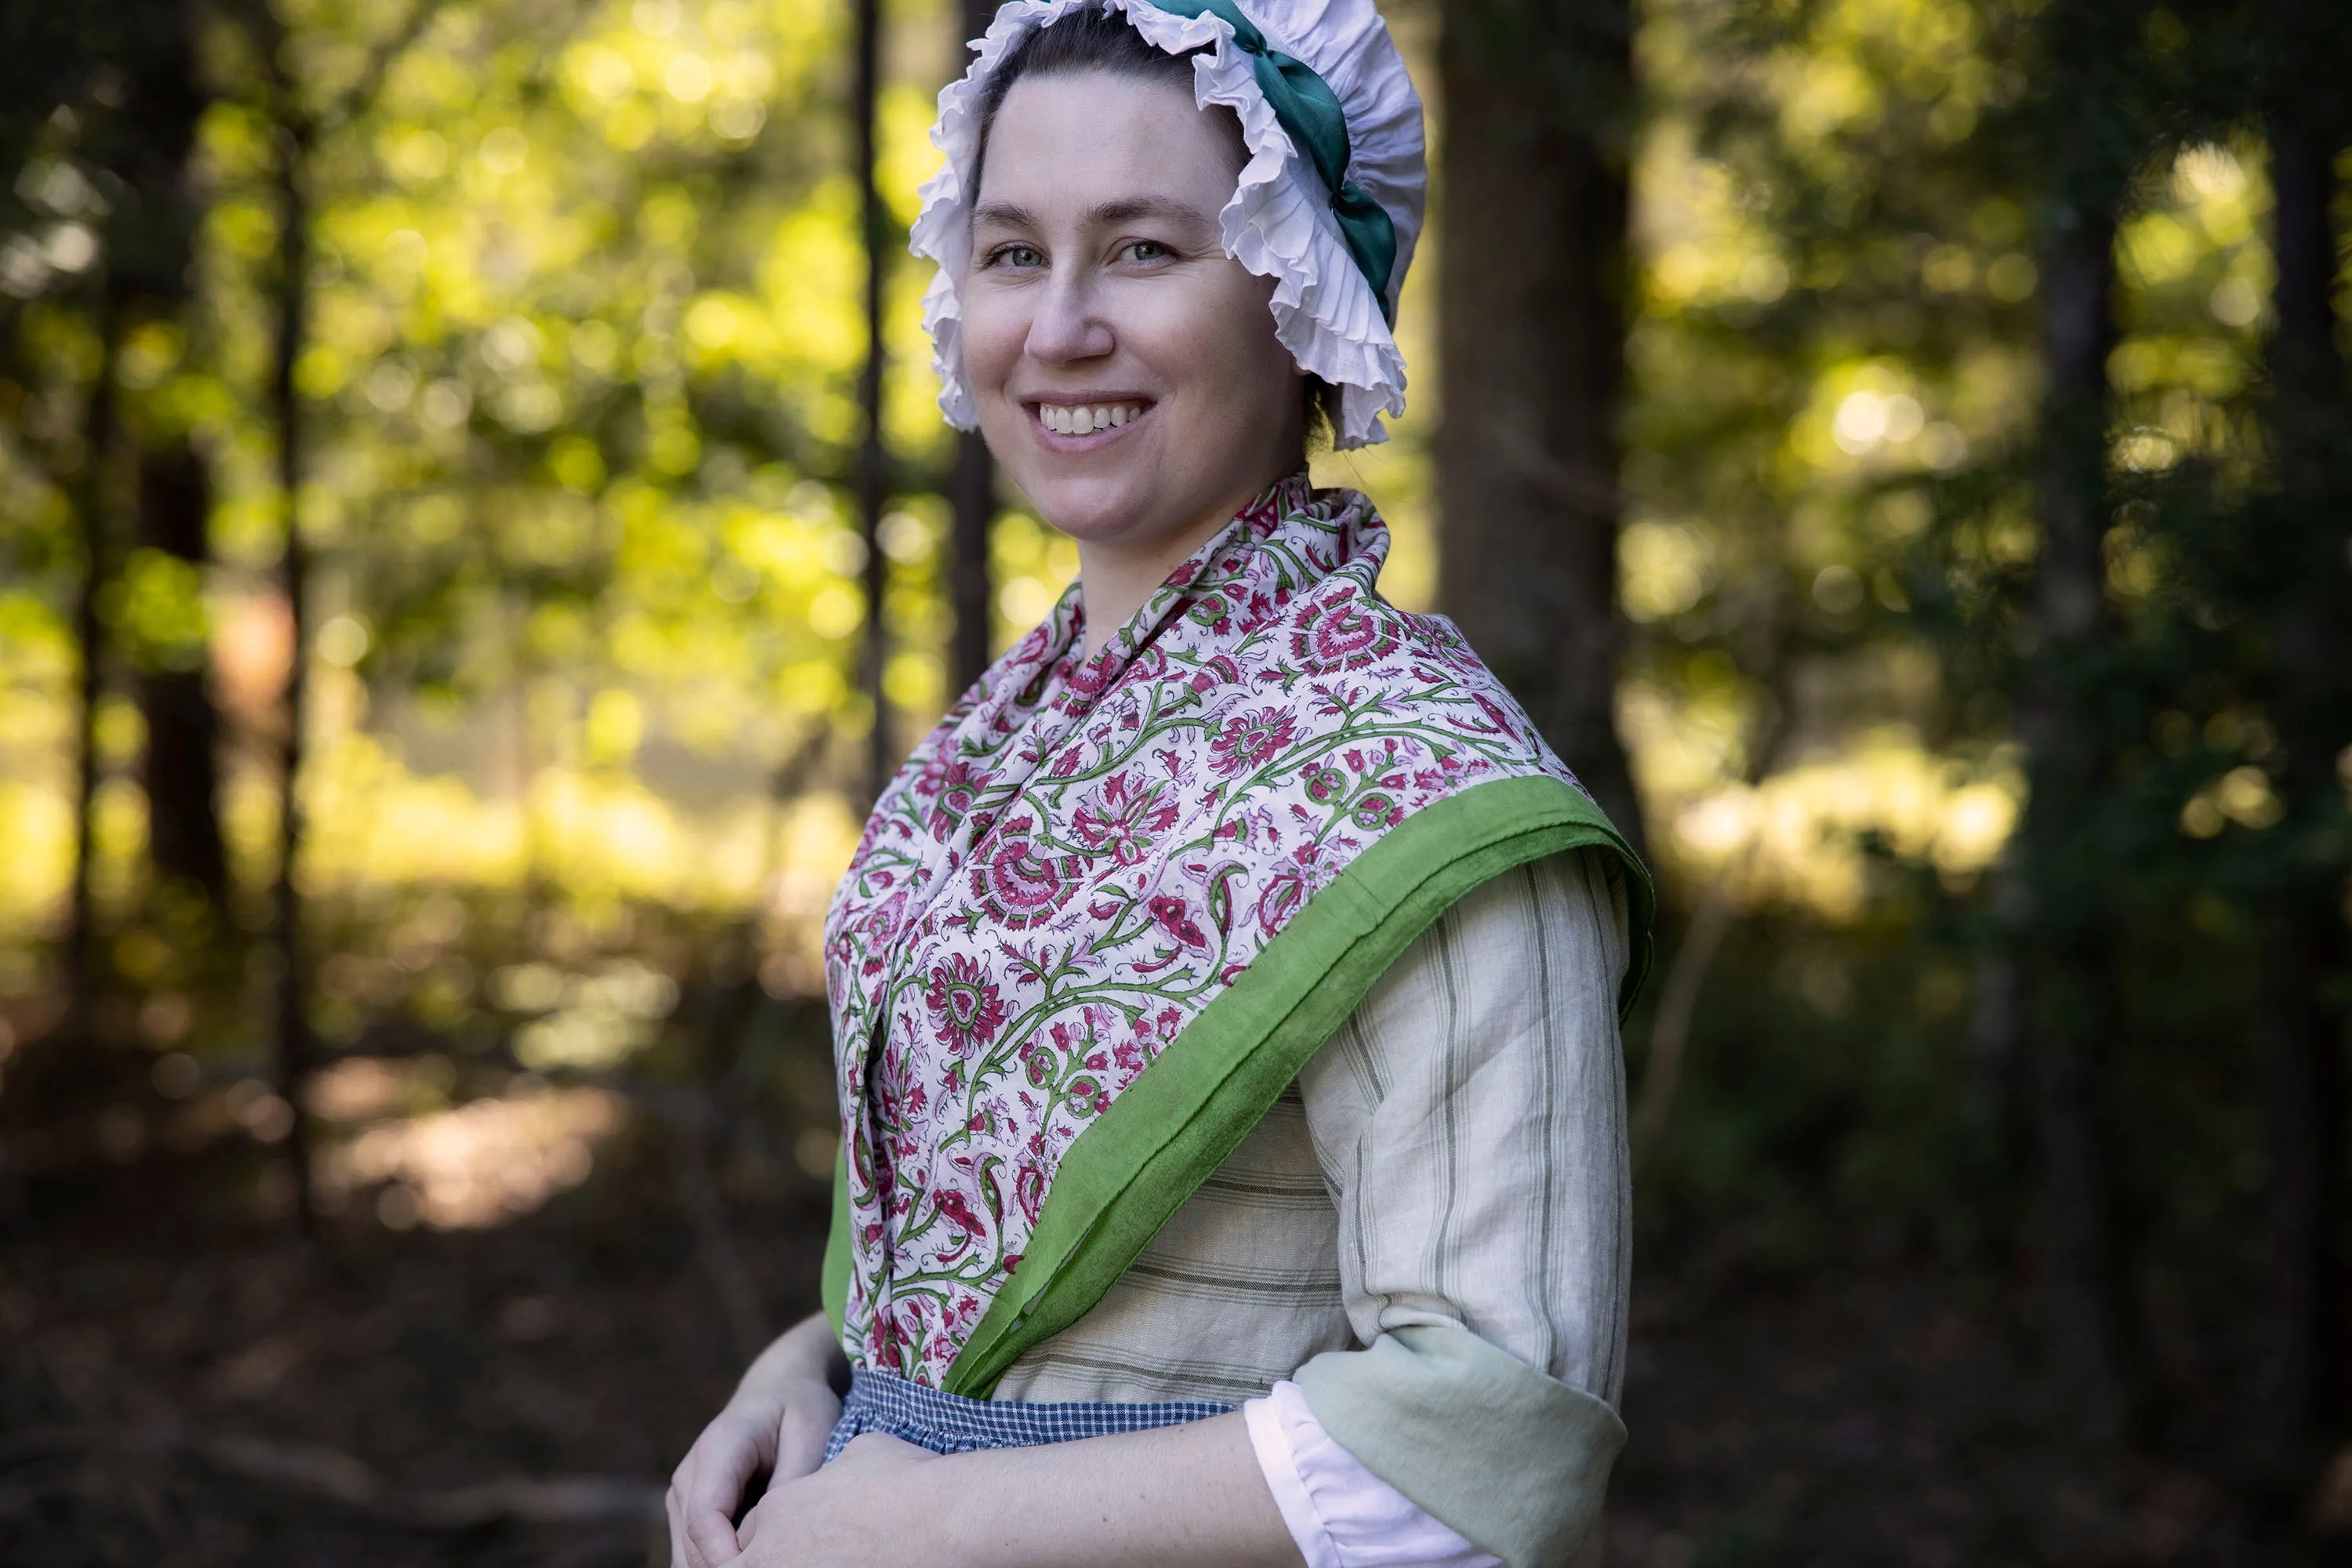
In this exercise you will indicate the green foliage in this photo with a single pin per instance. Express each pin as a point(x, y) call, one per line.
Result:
point(1836, 442)
point(578, 395)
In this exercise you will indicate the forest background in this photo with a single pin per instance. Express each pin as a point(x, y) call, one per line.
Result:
point(1897, 449)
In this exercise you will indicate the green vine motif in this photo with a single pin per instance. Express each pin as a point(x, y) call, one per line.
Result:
point(1114, 841)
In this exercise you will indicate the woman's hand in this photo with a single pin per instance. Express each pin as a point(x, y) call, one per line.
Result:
point(862, 1510)
point(777, 1421)
point(1190, 1496)
point(1172, 1497)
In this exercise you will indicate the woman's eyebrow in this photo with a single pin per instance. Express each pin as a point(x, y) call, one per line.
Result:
point(1004, 215)
point(1103, 215)
point(1128, 209)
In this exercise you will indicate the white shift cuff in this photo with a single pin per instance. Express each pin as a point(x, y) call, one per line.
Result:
point(1340, 1514)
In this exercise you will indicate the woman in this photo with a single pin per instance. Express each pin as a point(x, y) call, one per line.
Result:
point(1226, 991)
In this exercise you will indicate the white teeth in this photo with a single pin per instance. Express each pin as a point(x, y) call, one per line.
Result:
point(1085, 419)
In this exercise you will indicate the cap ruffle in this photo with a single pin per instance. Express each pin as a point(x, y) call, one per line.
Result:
point(1278, 223)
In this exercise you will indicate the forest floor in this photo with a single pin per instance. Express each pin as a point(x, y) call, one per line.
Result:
point(184, 1382)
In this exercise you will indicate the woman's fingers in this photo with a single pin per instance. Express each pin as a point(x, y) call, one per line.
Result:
point(679, 1555)
point(851, 1514)
point(711, 1541)
point(708, 1488)
point(781, 1432)
point(801, 1435)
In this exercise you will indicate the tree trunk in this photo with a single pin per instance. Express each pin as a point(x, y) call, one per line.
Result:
point(2296, 1394)
point(90, 639)
point(1531, 334)
point(294, 1052)
point(151, 143)
point(184, 727)
point(2065, 931)
point(972, 498)
point(873, 471)
point(2296, 1390)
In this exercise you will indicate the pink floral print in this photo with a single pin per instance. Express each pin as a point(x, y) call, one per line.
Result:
point(1085, 852)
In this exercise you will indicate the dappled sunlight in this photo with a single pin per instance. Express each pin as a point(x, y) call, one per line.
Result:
point(586, 833)
point(37, 828)
point(471, 1166)
point(1801, 836)
point(585, 1021)
point(436, 442)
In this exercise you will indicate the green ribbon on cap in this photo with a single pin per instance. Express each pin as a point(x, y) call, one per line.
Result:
point(1308, 109)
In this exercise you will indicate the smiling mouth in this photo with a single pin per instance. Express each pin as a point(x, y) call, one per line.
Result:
point(1088, 418)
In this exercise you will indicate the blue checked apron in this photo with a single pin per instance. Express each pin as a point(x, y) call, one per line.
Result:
point(952, 1424)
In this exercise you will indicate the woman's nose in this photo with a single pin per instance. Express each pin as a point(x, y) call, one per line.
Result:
point(1068, 328)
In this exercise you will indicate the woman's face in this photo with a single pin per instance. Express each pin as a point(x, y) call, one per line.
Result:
point(1126, 368)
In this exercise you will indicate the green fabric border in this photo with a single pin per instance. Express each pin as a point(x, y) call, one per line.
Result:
point(833, 1277)
point(1167, 1131)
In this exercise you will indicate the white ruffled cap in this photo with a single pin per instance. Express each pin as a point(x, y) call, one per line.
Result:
point(1280, 223)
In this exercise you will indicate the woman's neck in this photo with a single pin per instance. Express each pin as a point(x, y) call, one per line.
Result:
point(1116, 576)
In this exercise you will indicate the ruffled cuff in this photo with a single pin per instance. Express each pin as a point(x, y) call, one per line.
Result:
point(1340, 1513)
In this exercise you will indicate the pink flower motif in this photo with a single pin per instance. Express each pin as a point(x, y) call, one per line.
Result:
point(959, 785)
point(1341, 636)
point(957, 1210)
point(1250, 740)
point(1019, 888)
point(1179, 800)
point(1324, 783)
point(1219, 669)
point(1178, 921)
point(1292, 884)
point(1124, 821)
point(1495, 713)
point(1041, 1065)
point(964, 1003)
point(1213, 612)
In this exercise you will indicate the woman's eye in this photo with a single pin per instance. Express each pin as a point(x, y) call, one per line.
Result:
point(1147, 250)
point(1015, 256)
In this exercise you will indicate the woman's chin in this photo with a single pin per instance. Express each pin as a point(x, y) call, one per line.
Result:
point(1102, 508)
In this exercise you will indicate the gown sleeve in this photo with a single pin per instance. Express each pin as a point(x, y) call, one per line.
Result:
point(1339, 1513)
point(1470, 1122)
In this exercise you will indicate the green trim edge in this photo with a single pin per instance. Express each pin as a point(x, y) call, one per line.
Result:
point(833, 1276)
point(1164, 1134)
